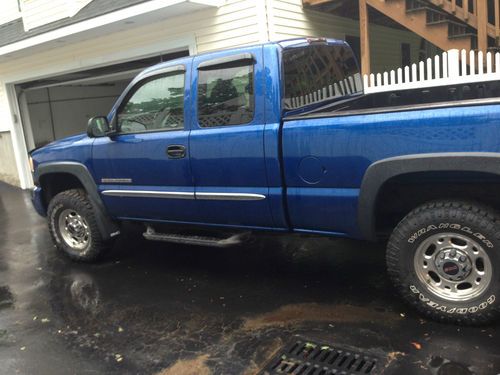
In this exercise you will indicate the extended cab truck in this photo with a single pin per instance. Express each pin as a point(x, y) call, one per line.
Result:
point(232, 140)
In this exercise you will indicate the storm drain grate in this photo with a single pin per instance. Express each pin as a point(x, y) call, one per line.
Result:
point(306, 358)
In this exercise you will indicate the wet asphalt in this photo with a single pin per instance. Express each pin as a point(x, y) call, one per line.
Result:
point(155, 308)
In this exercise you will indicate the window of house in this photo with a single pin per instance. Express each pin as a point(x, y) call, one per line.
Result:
point(226, 94)
point(157, 104)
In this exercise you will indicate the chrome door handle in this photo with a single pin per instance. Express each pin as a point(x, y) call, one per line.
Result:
point(176, 152)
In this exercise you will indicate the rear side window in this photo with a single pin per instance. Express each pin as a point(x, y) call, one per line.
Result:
point(226, 95)
point(319, 72)
point(158, 104)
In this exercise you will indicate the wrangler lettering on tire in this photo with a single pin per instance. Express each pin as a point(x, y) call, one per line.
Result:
point(443, 259)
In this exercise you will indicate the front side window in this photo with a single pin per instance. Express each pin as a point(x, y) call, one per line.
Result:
point(157, 104)
point(226, 95)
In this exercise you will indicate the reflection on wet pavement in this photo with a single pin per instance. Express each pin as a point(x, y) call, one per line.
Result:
point(154, 308)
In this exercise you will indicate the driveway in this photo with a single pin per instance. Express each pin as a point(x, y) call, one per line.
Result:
point(155, 308)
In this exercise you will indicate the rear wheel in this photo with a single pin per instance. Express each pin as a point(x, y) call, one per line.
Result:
point(443, 258)
point(73, 226)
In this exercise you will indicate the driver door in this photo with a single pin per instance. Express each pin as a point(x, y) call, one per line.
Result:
point(143, 171)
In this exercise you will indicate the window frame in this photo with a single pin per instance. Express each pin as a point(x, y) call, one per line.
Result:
point(230, 61)
point(156, 74)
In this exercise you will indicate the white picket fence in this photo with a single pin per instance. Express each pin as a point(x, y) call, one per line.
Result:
point(451, 67)
point(350, 85)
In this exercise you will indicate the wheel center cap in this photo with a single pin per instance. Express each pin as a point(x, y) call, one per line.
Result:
point(450, 268)
point(453, 264)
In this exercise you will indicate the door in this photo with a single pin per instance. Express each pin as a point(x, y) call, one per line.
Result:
point(143, 171)
point(227, 139)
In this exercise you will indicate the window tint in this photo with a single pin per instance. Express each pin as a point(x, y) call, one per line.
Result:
point(319, 72)
point(156, 105)
point(225, 96)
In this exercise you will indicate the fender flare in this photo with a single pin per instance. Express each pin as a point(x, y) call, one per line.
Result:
point(383, 170)
point(107, 226)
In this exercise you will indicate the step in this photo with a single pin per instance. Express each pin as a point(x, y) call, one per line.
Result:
point(416, 6)
point(198, 240)
point(459, 36)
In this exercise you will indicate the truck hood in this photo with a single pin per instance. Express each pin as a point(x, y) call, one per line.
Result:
point(76, 148)
point(64, 142)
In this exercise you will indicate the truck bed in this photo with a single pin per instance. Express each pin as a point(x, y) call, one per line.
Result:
point(327, 151)
point(422, 98)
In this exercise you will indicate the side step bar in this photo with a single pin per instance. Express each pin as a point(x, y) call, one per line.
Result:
point(189, 239)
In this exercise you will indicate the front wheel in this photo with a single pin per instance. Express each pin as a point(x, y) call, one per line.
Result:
point(443, 259)
point(73, 226)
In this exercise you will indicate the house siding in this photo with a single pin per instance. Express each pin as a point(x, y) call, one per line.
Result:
point(10, 11)
point(40, 12)
point(8, 171)
point(37, 13)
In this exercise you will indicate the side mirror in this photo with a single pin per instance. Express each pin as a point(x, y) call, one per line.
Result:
point(98, 127)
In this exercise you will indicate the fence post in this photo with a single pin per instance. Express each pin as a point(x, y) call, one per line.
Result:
point(480, 63)
point(464, 63)
point(453, 64)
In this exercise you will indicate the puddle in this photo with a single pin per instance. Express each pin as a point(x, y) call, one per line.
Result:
point(6, 297)
point(293, 314)
point(442, 366)
point(195, 366)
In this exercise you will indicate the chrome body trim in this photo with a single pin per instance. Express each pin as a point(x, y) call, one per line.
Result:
point(230, 196)
point(185, 195)
point(149, 194)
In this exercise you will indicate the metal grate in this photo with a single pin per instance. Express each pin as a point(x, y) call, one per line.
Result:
point(306, 358)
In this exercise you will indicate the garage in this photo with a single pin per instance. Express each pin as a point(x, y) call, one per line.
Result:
point(60, 106)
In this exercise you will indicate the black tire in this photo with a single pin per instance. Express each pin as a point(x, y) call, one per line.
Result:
point(408, 260)
point(92, 247)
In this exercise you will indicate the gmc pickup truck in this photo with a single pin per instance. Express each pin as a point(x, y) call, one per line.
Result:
point(280, 137)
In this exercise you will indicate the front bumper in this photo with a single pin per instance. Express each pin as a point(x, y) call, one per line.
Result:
point(36, 199)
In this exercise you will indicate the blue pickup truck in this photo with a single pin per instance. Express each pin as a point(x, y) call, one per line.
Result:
point(280, 137)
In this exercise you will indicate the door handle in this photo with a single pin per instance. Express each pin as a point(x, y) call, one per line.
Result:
point(176, 152)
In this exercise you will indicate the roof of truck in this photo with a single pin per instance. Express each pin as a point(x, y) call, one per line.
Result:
point(283, 44)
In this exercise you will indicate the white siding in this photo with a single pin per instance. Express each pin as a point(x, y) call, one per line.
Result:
point(76, 5)
point(9, 11)
point(288, 19)
point(233, 24)
point(41, 12)
point(4, 110)
point(8, 172)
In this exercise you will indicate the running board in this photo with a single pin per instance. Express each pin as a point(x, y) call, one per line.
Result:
point(187, 239)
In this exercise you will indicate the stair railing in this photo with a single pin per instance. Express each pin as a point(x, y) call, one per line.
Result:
point(478, 11)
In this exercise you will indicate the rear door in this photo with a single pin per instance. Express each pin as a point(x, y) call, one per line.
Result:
point(227, 139)
point(143, 171)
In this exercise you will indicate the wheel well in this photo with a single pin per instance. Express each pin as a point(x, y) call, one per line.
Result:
point(401, 194)
point(54, 183)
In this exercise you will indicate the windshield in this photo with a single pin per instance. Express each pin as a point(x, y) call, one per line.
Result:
point(317, 73)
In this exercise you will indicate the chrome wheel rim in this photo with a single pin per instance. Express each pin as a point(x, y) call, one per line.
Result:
point(453, 267)
point(74, 229)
